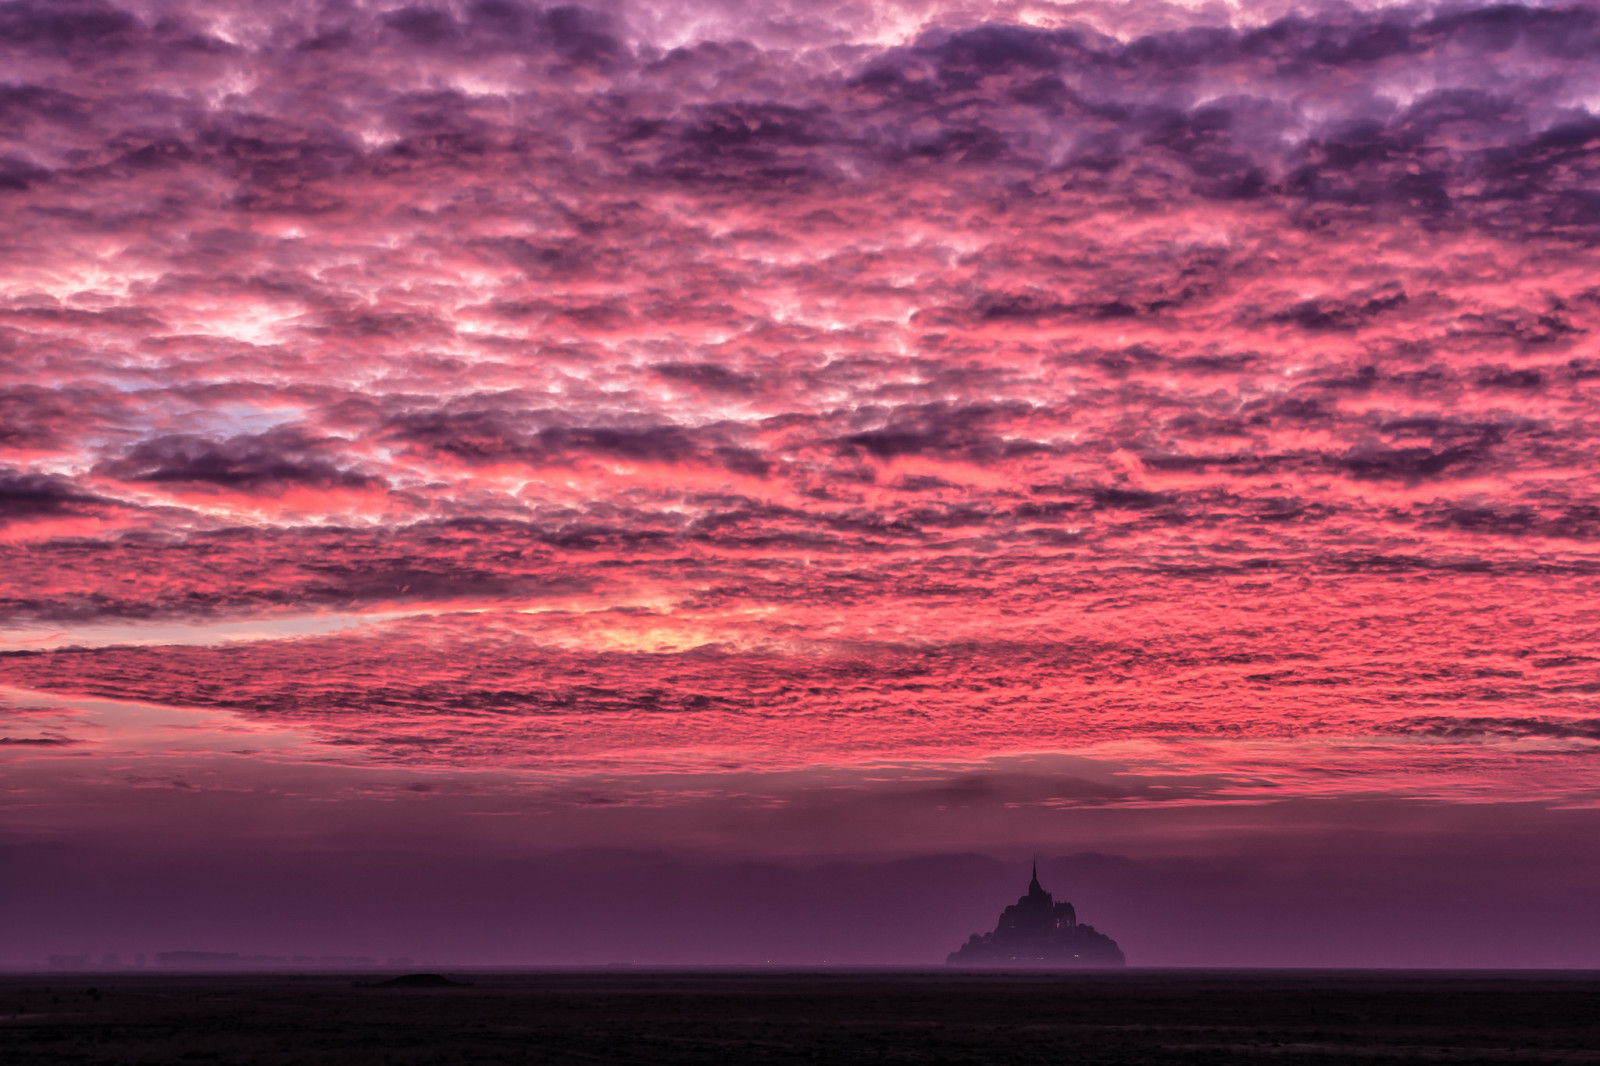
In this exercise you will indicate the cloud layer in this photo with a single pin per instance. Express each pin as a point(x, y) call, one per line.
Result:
point(893, 385)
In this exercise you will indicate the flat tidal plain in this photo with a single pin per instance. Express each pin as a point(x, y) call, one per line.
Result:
point(933, 1016)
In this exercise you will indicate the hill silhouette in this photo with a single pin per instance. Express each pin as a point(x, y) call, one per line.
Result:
point(1038, 931)
point(421, 980)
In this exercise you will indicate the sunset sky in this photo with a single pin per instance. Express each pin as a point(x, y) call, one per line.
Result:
point(707, 482)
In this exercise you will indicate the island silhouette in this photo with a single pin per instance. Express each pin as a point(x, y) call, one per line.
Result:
point(422, 980)
point(1038, 931)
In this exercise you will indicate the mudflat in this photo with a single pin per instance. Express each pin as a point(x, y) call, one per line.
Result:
point(934, 1016)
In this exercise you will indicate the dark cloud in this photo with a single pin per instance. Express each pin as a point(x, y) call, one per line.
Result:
point(998, 50)
point(25, 496)
point(250, 463)
point(1342, 314)
point(20, 103)
point(490, 434)
point(18, 174)
point(575, 34)
point(973, 432)
point(66, 27)
point(1501, 728)
point(708, 376)
point(1416, 463)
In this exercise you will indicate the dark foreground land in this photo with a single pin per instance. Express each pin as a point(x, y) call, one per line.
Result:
point(823, 1017)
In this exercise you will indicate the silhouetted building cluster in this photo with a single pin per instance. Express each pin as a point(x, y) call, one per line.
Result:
point(1038, 931)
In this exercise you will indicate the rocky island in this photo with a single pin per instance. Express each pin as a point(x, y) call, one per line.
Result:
point(1038, 931)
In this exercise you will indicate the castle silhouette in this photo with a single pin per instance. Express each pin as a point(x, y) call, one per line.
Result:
point(1038, 931)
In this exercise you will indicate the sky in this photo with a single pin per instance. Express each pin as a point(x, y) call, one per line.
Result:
point(690, 483)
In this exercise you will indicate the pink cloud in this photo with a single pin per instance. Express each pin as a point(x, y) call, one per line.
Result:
point(911, 384)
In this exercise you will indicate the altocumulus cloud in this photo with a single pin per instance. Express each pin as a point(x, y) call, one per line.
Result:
point(854, 381)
